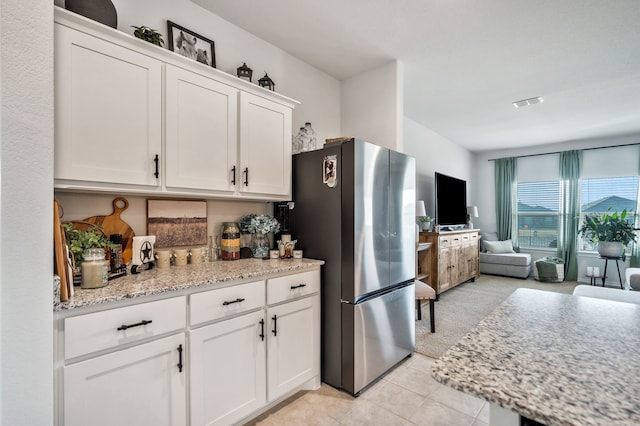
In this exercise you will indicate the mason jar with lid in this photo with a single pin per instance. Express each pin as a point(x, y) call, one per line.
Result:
point(230, 242)
point(94, 269)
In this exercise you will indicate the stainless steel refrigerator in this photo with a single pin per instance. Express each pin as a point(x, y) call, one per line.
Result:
point(355, 209)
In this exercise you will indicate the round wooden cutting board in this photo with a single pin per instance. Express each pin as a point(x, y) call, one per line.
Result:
point(112, 224)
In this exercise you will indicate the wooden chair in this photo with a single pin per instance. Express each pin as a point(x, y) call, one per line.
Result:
point(425, 292)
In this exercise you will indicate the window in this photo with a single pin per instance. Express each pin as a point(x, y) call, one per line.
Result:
point(613, 194)
point(538, 213)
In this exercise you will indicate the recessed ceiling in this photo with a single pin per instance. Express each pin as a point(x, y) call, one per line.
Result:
point(465, 62)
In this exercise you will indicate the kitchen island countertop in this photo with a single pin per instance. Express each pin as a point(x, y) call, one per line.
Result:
point(555, 358)
point(158, 281)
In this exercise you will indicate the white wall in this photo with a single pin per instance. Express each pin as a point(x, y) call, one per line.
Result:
point(372, 106)
point(435, 153)
point(26, 213)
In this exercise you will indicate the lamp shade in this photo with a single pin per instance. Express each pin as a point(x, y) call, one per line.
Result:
point(420, 209)
point(472, 211)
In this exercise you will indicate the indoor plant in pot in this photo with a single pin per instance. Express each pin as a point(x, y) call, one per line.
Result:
point(610, 231)
point(425, 222)
point(79, 240)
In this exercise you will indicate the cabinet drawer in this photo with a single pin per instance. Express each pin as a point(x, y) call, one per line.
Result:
point(465, 237)
point(292, 286)
point(455, 240)
point(223, 302)
point(444, 242)
point(107, 329)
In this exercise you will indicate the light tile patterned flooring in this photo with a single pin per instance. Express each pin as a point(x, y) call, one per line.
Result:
point(407, 395)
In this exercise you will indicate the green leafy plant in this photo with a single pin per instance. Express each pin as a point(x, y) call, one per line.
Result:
point(148, 34)
point(425, 219)
point(609, 227)
point(78, 241)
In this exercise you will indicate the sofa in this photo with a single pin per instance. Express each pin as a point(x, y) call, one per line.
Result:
point(608, 293)
point(499, 258)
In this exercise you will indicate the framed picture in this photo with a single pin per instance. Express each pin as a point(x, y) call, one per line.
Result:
point(192, 45)
point(177, 223)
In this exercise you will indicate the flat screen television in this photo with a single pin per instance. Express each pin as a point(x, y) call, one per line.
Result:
point(451, 200)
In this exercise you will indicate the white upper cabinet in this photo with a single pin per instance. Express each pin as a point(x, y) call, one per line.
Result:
point(108, 102)
point(265, 146)
point(201, 132)
point(135, 118)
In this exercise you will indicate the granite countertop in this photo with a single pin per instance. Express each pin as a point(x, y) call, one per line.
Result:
point(157, 281)
point(555, 358)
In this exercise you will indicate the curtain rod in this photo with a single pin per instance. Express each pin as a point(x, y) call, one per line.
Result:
point(558, 152)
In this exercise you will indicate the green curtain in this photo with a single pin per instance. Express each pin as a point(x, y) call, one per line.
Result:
point(634, 261)
point(570, 162)
point(505, 191)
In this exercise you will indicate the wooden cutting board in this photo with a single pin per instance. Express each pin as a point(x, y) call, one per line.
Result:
point(112, 224)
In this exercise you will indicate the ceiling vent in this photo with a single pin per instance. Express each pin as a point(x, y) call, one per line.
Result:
point(527, 102)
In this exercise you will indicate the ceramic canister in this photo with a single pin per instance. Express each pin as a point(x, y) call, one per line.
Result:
point(182, 255)
point(197, 255)
point(163, 258)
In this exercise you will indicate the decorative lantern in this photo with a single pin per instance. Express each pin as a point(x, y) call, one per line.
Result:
point(244, 71)
point(267, 82)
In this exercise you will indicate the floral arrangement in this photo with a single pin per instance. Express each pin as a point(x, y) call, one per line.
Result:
point(258, 224)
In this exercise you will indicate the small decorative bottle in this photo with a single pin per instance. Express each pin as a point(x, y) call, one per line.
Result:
point(311, 136)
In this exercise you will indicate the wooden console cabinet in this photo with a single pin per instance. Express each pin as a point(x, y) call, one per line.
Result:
point(454, 258)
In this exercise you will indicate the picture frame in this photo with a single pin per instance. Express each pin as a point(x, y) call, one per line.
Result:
point(191, 45)
point(177, 223)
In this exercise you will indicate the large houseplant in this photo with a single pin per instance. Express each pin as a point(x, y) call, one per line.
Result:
point(610, 231)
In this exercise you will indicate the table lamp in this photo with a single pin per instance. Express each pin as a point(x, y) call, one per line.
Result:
point(472, 211)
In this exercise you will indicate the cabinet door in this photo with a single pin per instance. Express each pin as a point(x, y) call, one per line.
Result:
point(444, 269)
point(141, 385)
point(108, 102)
point(227, 370)
point(293, 352)
point(265, 147)
point(201, 135)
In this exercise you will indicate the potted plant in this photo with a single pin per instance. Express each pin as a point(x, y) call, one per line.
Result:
point(78, 241)
point(148, 34)
point(425, 221)
point(259, 226)
point(610, 231)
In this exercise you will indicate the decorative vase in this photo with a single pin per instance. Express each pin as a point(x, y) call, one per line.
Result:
point(301, 141)
point(426, 226)
point(102, 11)
point(311, 135)
point(610, 249)
point(260, 245)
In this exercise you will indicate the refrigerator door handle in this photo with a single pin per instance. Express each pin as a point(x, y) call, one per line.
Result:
point(345, 301)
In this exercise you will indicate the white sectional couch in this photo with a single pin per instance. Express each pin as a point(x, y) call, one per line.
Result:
point(517, 265)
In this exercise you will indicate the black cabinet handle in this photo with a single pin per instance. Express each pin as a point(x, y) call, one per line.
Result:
point(179, 358)
point(238, 300)
point(125, 326)
point(246, 176)
point(156, 160)
point(293, 287)
point(261, 335)
point(275, 325)
point(233, 179)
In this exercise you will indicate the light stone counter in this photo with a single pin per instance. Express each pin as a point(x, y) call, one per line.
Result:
point(554, 358)
point(175, 278)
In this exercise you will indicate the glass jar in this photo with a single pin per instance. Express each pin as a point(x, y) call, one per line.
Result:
point(230, 242)
point(311, 137)
point(260, 245)
point(94, 269)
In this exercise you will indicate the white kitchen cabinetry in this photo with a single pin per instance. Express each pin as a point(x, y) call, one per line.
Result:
point(142, 385)
point(108, 102)
point(265, 146)
point(118, 98)
point(201, 133)
point(227, 365)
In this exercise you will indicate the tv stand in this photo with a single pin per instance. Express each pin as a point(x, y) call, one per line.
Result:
point(454, 259)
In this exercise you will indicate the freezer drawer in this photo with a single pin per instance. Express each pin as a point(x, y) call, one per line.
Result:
point(377, 334)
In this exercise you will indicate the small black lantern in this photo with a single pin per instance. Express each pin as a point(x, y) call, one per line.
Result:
point(267, 82)
point(244, 71)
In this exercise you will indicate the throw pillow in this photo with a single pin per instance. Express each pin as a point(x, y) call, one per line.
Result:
point(499, 246)
point(487, 236)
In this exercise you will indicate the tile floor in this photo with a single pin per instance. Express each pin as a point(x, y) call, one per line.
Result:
point(407, 395)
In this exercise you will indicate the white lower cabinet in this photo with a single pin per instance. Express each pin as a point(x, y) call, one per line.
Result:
point(216, 357)
point(293, 348)
point(227, 370)
point(141, 385)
